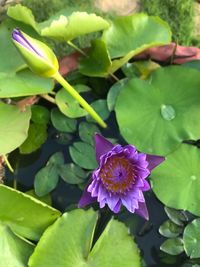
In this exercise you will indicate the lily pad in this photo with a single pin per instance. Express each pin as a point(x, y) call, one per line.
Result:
point(72, 173)
point(100, 106)
point(173, 246)
point(191, 238)
point(176, 181)
point(157, 116)
point(29, 217)
point(77, 227)
point(40, 114)
point(14, 126)
point(61, 122)
point(14, 250)
point(83, 155)
point(87, 132)
point(170, 229)
point(138, 32)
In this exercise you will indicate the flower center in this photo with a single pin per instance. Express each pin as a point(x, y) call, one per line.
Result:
point(117, 174)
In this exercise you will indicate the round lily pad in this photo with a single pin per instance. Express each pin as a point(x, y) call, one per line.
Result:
point(191, 238)
point(157, 114)
point(176, 181)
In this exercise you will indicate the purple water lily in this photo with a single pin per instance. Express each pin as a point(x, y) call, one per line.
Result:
point(120, 178)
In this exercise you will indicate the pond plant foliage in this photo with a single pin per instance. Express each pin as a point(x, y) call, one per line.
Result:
point(154, 111)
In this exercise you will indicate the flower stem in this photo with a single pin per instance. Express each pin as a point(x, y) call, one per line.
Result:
point(8, 163)
point(48, 98)
point(79, 98)
point(76, 48)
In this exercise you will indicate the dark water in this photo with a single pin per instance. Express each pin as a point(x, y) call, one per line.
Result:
point(145, 233)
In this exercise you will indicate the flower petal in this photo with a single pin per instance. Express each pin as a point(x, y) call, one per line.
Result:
point(86, 199)
point(142, 210)
point(112, 202)
point(154, 161)
point(102, 146)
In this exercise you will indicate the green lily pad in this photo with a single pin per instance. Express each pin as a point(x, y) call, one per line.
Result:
point(29, 217)
point(77, 227)
point(100, 106)
point(128, 36)
point(173, 246)
point(83, 155)
point(157, 116)
point(40, 114)
point(37, 135)
point(97, 62)
point(87, 132)
point(170, 229)
point(72, 173)
point(23, 83)
point(14, 250)
point(68, 105)
point(176, 216)
point(61, 122)
point(46, 199)
point(191, 238)
point(14, 126)
point(176, 181)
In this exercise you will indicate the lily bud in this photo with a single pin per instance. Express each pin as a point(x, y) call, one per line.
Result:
point(38, 56)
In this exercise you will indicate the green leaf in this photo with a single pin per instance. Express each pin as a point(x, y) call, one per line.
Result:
point(191, 239)
point(170, 229)
point(87, 131)
point(37, 135)
point(97, 62)
point(176, 216)
point(40, 114)
point(46, 199)
point(77, 227)
point(100, 106)
point(23, 14)
point(173, 246)
point(68, 105)
point(61, 122)
point(114, 92)
point(14, 250)
point(179, 190)
point(67, 28)
point(146, 32)
point(56, 159)
point(29, 217)
point(72, 174)
point(10, 58)
point(23, 83)
point(157, 116)
point(13, 127)
point(46, 180)
point(83, 155)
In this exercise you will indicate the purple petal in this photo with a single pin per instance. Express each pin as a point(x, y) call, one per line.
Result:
point(86, 199)
point(142, 210)
point(154, 161)
point(102, 146)
point(146, 186)
point(113, 202)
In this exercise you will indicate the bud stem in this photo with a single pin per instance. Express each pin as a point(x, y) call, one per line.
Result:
point(8, 163)
point(81, 101)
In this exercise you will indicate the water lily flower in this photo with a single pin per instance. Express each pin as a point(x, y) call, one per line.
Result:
point(38, 56)
point(120, 178)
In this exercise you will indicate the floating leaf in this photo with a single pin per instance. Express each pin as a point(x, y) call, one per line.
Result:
point(29, 217)
point(176, 216)
point(68, 28)
point(56, 159)
point(114, 92)
point(37, 135)
point(173, 246)
point(146, 31)
point(61, 122)
point(157, 116)
point(72, 174)
point(176, 181)
point(87, 131)
point(83, 155)
point(46, 199)
point(97, 62)
point(170, 229)
point(14, 250)
point(40, 114)
point(100, 106)
point(77, 227)
point(13, 127)
point(68, 105)
point(23, 83)
point(191, 239)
